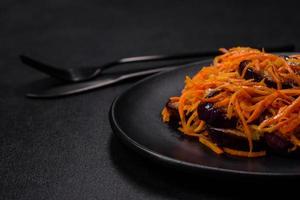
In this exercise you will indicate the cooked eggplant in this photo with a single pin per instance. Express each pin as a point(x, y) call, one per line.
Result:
point(257, 77)
point(215, 116)
point(174, 114)
point(277, 143)
point(265, 114)
point(250, 73)
point(232, 139)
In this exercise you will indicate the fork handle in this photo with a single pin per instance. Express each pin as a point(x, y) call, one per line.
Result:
point(42, 67)
point(149, 58)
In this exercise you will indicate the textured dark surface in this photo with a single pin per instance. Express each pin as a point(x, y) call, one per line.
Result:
point(64, 148)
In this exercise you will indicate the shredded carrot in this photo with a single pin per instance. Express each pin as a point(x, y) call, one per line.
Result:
point(257, 107)
point(262, 105)
point(295, 140)
point(165, 115)
point(210, 144)
point(239, 153)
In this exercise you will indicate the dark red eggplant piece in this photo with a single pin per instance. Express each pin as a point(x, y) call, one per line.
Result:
point(272, 84)
point(251, 74)
point(215, 116)
point(261, 117)
point(174, 114)
point(277, 143)
point(224, 138)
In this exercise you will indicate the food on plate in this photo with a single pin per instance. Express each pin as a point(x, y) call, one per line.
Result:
point(246, 103)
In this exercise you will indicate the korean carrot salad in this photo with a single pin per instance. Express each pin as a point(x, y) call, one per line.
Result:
point(246, 103)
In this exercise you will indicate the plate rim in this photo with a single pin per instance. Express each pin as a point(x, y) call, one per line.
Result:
point(140, 148)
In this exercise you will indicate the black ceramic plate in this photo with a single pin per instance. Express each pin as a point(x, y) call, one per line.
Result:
point(135, 118)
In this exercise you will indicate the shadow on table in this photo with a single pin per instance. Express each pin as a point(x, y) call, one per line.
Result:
point(167, 181)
